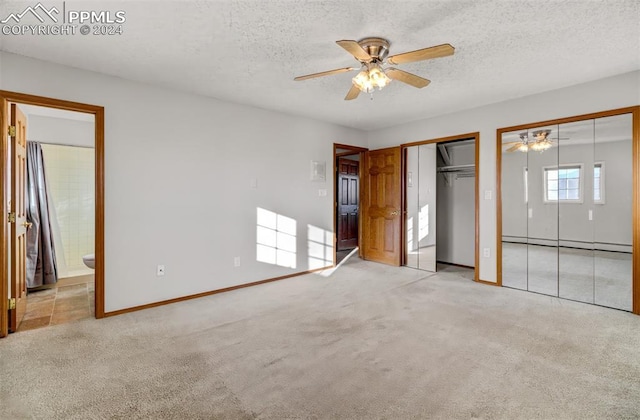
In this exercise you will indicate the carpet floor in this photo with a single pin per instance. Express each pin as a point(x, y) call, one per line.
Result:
point(367, 342)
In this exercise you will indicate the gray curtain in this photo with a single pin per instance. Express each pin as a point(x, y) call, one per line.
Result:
point(41, 255)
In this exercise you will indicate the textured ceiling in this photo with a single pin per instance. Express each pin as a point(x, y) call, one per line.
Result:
point(249, 51)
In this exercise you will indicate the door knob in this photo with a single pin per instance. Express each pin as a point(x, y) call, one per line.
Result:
point(27, 225)
point(395, 213)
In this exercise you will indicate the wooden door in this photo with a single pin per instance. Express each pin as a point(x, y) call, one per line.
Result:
point(381, 206)
point(19, 226)
point(348, 203)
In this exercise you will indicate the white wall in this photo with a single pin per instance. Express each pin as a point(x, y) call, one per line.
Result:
point(610, 93)
point(178, 171)
point(63, 131)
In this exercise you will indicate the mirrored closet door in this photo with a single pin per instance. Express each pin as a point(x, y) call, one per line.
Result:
point(420, 222)
point(567, 204)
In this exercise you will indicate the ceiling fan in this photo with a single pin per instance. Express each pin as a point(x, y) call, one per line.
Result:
point(539, 142)
point(372, 55)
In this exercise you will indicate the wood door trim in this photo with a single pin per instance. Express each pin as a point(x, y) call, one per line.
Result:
point(636, 211)
point(4, 225)
point(476, 137)
point(355, 150)
point(635, 112)
point(7, 97)
point(352, 149)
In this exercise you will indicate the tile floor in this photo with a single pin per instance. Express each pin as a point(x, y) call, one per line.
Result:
point(58, 305)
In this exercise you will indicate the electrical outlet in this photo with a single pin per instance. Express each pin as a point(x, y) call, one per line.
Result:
point(322, 193)
point(486, 252)
point(236, 261)
point(160, 271)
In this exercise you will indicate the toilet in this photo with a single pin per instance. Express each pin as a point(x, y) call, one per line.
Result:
point(89, 260)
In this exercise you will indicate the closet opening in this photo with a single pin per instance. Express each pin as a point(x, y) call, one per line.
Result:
point(441, 205)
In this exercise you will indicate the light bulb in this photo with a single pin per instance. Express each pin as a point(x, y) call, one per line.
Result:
point(362, 81)
point(372, 76)
point(378, 77)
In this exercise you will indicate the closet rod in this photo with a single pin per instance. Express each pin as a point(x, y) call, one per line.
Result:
point(457, 168)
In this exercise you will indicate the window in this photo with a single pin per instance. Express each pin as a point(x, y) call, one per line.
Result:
point(598, 183)
point(563, 183)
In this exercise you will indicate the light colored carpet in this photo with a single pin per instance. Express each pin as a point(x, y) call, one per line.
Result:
point(600, 277)
point(368, 342)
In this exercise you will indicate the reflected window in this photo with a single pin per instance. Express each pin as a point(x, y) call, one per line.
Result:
point(410, 234)
point(423, 222)
point(563, 183)
point(598, 183)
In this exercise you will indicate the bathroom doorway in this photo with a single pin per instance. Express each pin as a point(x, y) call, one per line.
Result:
point(69, 138)
point(63, 141)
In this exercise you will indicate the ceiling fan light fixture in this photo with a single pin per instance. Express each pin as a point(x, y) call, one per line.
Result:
point(372, 76)
point(541, 145)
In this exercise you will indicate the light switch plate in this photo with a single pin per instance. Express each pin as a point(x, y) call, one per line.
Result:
point(487, 194)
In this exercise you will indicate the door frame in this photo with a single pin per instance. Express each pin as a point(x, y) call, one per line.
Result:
point(7, 97)
point(635, 212)
point(352, 150)
point(476, 137)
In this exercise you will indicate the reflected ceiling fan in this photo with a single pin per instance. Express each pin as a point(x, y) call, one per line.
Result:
point(372, 55)
point(539, 142)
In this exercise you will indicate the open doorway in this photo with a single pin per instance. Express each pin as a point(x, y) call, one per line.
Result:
point(61, 207)
point(60, 204)
point(441, 205)
point(347, 225)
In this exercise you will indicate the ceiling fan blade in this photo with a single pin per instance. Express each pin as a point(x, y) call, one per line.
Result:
point(355, 50)
point(423, 54)
point(353, 93)
point(514, 148)
point(408, 78)
point(511, 142)
point(324, 73)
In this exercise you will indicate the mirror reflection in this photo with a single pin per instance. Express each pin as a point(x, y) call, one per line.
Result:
point(514, 174)
point(421, 207)
point(612, 211)
point(566, 210)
